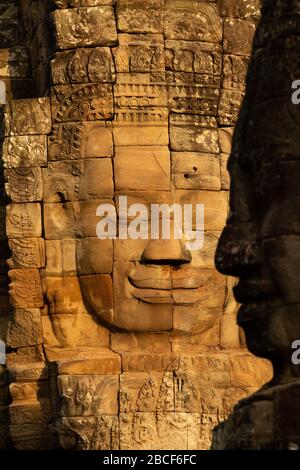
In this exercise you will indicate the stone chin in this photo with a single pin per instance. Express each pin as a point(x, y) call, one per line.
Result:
point(268, 328)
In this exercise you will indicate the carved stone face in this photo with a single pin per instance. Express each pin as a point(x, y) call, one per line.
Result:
point(154, 283)
point(134, 285)
point(260, 243)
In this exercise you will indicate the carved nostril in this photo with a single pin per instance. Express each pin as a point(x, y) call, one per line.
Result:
point(171, 252)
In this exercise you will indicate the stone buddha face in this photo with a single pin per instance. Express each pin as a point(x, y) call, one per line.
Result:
point(260, 243)
point(157, 278)
point(145, 280)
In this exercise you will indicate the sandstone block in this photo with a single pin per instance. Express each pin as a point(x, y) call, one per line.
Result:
point(28, 117)
point(72, 331)
point(24, 329)
point(83, 66)
point(98, 395)
point(87, 26)
point(192, 138)
point(85, 179)
point(26, 253)
point(72, 219)
point(24, 185)
point(87, 102)
point(23, 220)
point(80, 140)
point(140, 16)
point(32, 412)
point(70, 257)
point(196, 171)
point(25, 151)
point(139, 53)
point(132, 163)
point(238, 36)
point(192, 20)
point(25, 288)
point(84, 361)
point(215, 206)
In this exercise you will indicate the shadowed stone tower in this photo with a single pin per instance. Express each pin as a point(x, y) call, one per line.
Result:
point(129, 344)
point(260, 243)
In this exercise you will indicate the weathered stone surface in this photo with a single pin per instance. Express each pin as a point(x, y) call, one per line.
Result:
point(235, 71)
point(140, 53)
point(31, 436)
point(27, 363)
point(14, 62)
point(24, 328)
point(26, 253)
point(72, 219)
point(140, 16)
point(21, 391)
point(57, 290)
point(192, 20)
point(25, 151)
point(23, 220)
point(28, 117)
point(196, 171)
point(32, 412)
point(25, 288)
point(24, 184)
point(225, 139)
point(9, 24)
point(100, 433)
point(92, 102)
point(68, 257)
point(158, 343)
point(140, 95)
point(215, 206)
point(193, 99)
point(240, 8)
point(238, 36)
point(84, 361)
point(88, 395)
point(134, 134)
point(84, 179)
point(88, 26)
point(225, 179)
point(80, 140)
point(193, 57)
point(229, 107)
point(83, 66)
point(192, 138)
point(131, 163)
point(82, 3)
point(71, 331)
point(28, 372)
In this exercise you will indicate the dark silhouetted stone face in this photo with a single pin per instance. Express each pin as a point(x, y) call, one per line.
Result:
point(261, 241)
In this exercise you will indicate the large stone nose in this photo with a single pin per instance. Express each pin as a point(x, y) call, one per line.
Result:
point(170, 252)
point(166, 251)
point(238, 250)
